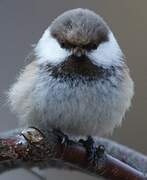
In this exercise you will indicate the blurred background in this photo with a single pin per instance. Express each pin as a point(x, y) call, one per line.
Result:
point(21, 25)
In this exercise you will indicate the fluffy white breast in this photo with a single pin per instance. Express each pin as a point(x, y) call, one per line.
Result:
point(48, 50)
point(108, 53)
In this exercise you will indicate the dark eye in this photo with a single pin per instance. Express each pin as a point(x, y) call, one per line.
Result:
point(94, 46)
point(91, 46)
point(62, 43)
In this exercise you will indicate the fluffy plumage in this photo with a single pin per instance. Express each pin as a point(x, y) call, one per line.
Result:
point(86, 93)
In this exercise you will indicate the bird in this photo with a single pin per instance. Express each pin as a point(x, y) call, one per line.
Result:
point(77, 79)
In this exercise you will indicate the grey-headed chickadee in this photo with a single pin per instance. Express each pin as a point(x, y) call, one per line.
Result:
point(78, 80)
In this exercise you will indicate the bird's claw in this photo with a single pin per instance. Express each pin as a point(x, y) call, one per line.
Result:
point(94, 154)
point(62, 138)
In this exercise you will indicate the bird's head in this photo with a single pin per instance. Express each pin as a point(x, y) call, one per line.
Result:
point(78, 42)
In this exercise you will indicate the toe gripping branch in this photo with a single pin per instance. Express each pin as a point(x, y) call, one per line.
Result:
point(95, 154)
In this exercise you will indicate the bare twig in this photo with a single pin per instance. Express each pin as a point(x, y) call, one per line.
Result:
point(31, 148)
point(125, 154)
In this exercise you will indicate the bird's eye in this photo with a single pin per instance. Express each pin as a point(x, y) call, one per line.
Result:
point(91, 46)
point(94, 46)
point(62, 43)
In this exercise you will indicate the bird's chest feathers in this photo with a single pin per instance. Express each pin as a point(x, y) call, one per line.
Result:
point(58, 104)
point(57, 99)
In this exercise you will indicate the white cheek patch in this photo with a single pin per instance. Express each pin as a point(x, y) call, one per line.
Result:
point(48, 50)
point(108, 53)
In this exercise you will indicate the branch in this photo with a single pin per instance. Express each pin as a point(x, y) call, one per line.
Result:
point(31, 148)
point(125, 154)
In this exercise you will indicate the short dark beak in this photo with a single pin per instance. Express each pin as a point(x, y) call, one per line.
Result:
point(78, 51)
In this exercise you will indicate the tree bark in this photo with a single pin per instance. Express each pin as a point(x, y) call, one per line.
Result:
point(31, 148)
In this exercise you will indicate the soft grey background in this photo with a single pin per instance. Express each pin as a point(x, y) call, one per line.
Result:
point(22, 23)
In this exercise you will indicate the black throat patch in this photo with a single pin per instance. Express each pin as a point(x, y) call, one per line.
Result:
point(79, 68)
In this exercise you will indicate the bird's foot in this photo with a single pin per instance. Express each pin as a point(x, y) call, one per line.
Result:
point(62, 138)
point(94, 154)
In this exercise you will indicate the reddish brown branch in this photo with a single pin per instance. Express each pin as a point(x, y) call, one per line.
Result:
point(31, 148)
point(125, 154)
point(107, 167)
